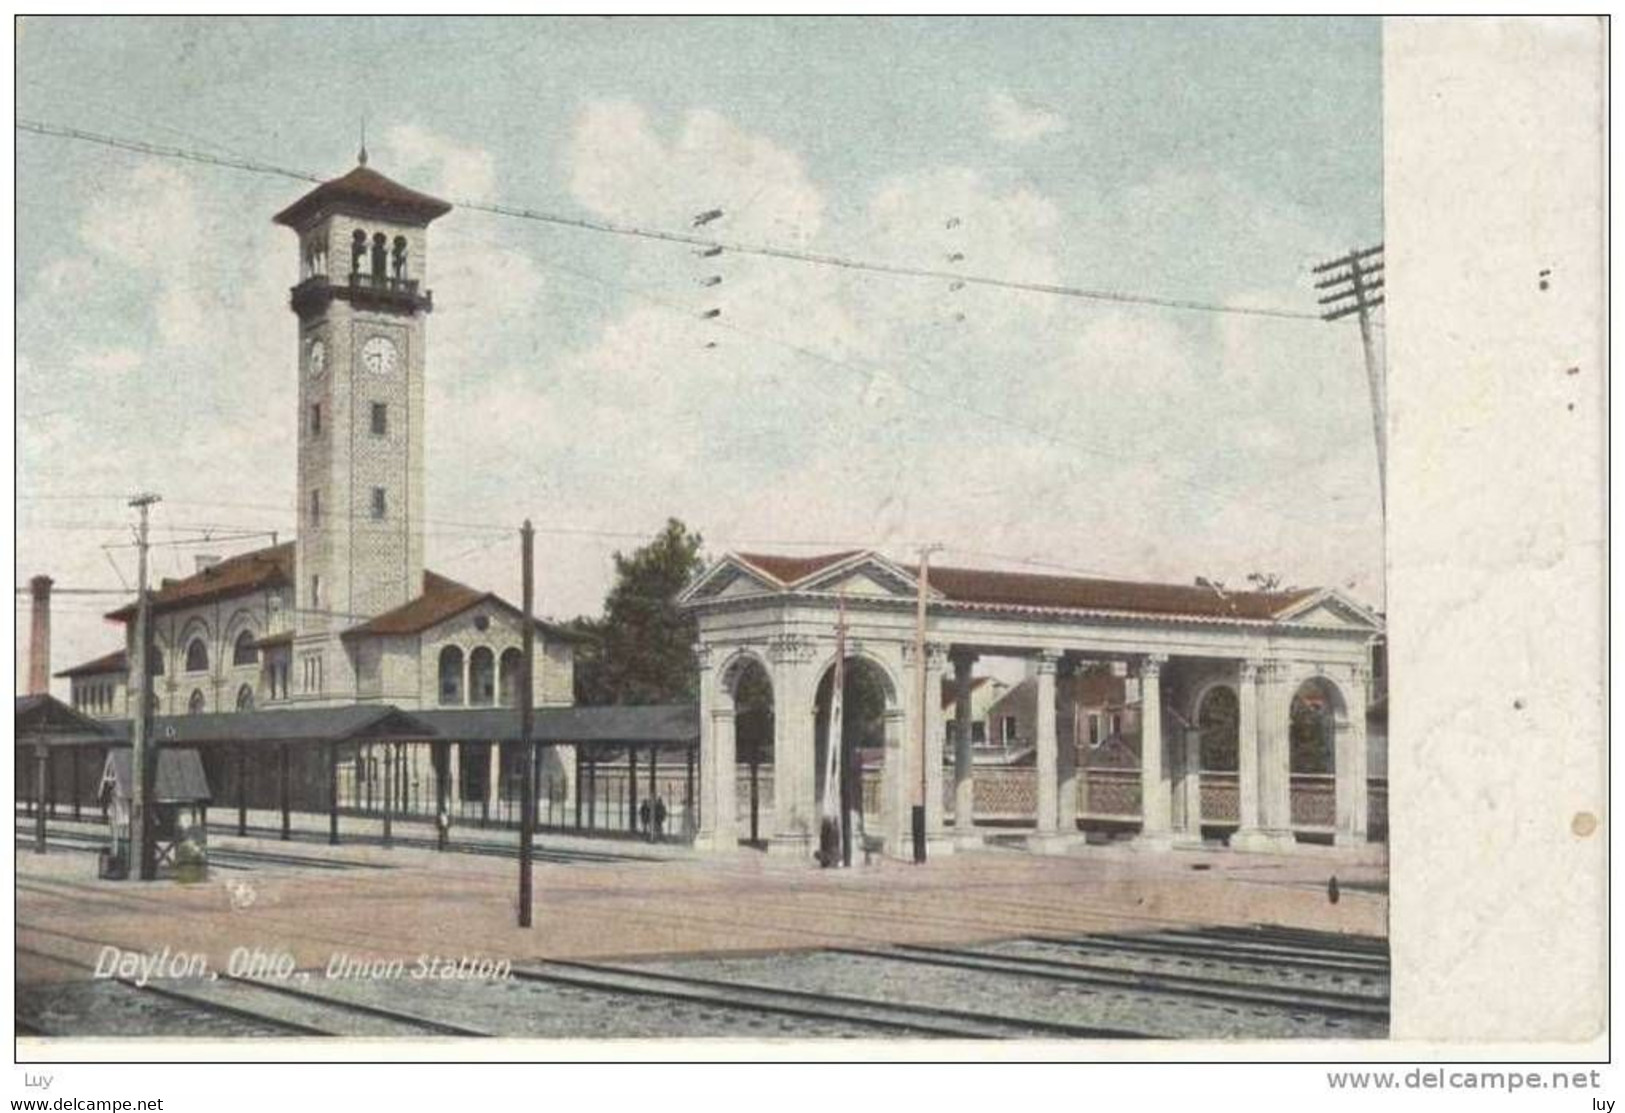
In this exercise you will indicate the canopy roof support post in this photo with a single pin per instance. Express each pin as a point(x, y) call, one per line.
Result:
point(41, 771)
point(332, 794)
point(242, 792)
point(282, 793)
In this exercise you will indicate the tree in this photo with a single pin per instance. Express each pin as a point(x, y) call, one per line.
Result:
point(642, 649)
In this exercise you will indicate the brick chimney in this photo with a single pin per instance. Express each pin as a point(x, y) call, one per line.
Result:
point(39, 637)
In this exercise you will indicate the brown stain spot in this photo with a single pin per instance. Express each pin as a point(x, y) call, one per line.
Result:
point(1584, 824)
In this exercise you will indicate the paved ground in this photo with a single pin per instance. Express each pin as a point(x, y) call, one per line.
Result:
point(613, 901)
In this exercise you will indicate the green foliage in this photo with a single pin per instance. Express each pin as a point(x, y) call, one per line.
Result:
point(641, 650)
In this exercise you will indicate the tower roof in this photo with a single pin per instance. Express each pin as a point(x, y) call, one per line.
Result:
point(368, 190)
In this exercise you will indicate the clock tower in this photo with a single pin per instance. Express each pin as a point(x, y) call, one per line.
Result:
point(362, 304)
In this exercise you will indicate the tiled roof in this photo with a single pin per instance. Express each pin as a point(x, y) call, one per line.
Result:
point(367, 189)
point(236, 575)
point(442, 598)
point(116, 661)
point(985, 587)
point(1026, 589)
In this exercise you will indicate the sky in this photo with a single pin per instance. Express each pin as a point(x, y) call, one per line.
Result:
point(572, 378)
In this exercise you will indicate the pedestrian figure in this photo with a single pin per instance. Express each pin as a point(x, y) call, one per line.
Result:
point(660, 819)
point(1332, 893)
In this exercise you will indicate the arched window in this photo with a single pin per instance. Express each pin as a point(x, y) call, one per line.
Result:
point(399, 259)
point(509, 676)
point(482, 679)
point(245, 698)
point(380, 256)
point(451, 675)
point(194, 706)
point(197, 656)
point(358, 250)
point(243, 651)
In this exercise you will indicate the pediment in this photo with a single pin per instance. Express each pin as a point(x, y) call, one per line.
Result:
point(728, 579)
point(866, 575)
point(1331, 608)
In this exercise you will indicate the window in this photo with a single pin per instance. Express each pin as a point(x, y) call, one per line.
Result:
point(451, 675)
point(1094, 729)
point(311, 672)
point(194, 706)
point(243, 651)
point(378, 504)
point(481, 677)
point(510, 676)
point(315, 508)
point(315, 590)
point(197, 656)
point(1117, 724)
point(245, 698)
point(1009, 735)
point(315, 419)
point(978, 733)
point(380, 419)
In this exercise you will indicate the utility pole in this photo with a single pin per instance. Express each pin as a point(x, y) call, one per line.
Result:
point(1354, 286)
point(921, 706)
point(527, 792)
point(143, 752)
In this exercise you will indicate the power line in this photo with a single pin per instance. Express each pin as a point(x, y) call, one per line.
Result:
point(770, 251)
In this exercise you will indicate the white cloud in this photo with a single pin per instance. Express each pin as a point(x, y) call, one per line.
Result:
point(1017, 123)
point(442, 166)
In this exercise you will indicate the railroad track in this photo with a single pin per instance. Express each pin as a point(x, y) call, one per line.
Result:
point(892, 1018)
point(264, 1008)
point(223, 858)
point(1104, 977)
point(1175, 945)
point(457, 845)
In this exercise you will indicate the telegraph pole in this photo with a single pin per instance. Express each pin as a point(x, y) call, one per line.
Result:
point(1354, 285)
point(922, 696)
point(527, 793)
point(143, 754)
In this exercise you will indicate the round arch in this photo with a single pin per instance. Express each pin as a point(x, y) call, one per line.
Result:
point(245, 698)
point(1318, 712)
point(194, 705)
point(870, 709)
point(1218, 720)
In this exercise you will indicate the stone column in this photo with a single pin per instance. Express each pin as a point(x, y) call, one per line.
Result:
point(1275, 751)
point(935, 734)
point(1066, 769)
point(794, 823)
point(1048, 838)
point(1156, 799)
point(1351, 774)
point(1256, 755)
point(1190, 786)
point(964, 771)
point(717, 832)
point(896, 799)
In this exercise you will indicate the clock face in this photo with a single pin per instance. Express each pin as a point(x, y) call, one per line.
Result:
point(317, 362)
point(379, 356)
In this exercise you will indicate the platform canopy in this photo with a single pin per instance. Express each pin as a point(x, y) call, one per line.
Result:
point(46, 718)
